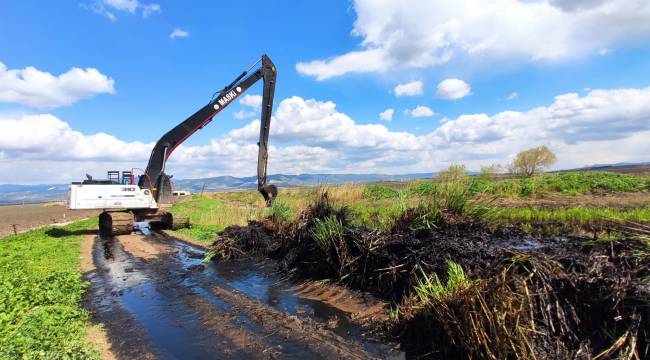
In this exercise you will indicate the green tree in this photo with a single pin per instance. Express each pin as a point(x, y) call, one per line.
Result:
point(452, 173)
point(532, 161)
point(490, 171)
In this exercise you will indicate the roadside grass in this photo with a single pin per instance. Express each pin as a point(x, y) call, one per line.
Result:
point(41, 290)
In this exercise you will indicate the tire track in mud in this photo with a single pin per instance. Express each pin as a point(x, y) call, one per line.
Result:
point(312, 334)
point(168, 303)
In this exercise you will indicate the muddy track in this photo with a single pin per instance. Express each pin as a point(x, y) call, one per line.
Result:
point(157, 299)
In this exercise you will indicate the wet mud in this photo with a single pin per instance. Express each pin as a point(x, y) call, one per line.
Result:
point(157, 299)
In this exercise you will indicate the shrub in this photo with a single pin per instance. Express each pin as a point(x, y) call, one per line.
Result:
point(378, 192)
point(453, 173)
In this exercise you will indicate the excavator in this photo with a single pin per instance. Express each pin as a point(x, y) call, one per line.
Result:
point(126, 203)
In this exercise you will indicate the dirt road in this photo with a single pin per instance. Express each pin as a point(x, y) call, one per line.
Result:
point(158, 299)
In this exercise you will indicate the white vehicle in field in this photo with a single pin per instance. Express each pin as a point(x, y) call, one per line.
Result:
point(125, 200)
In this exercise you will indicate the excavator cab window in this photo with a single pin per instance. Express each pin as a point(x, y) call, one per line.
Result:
point(114, 177)
point(127, 178)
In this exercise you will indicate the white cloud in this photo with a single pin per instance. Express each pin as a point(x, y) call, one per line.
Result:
point(453, 89)
point(512, 96)
point(425, 33)
point(30, 86)
point(179, 33)
point(387, 114)
point(252, 101)
point(243, 114)
point(420, 111)
point(150, 9)
point(409, 89)
point(314, 136)
point(106, 8)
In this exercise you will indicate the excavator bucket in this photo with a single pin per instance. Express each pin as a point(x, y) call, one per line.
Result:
point(270, 192)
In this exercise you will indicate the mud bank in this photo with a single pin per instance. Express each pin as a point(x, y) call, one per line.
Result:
point(158, 299)
point(516, 296)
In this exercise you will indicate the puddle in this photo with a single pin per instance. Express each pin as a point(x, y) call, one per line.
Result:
point(176, 307)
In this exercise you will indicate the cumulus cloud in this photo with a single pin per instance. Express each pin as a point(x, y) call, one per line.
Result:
point(107, 8)
point(308, 135)
point(243, 114)
point(387, 115)
point(453, 89)
point(179, 33)
point(32, 87)
point(420, 111)
point(409, 89)
point(252, 101)
point(425, 33)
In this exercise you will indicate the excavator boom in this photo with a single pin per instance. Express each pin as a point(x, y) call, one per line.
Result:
point(124, 203)
point(159, 182)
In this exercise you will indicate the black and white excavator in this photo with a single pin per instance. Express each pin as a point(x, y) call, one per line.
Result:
point(125, 202)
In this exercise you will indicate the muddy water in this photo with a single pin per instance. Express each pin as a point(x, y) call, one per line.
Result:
point(158, 299)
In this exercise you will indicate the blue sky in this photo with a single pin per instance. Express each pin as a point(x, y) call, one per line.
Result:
point(515, 62)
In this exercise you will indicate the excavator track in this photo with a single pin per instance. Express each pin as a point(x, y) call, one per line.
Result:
point(115, 223)
point(171, 222)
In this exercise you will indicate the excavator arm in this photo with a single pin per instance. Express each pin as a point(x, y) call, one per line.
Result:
point(155, 177)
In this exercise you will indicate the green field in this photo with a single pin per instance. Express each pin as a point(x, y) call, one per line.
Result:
point(41, 289)
point(378, 205)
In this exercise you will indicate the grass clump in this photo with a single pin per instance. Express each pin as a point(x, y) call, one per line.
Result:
point(281, 212)
point(41, 291)
point(327, 232)
point(429, 288)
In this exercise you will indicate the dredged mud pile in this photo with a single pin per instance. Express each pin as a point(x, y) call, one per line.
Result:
point(527, 297)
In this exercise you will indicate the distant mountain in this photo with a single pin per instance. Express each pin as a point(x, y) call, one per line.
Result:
point(223, 183)
point(17, 194)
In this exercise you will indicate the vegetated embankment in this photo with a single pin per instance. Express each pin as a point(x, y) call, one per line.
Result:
point(463, 288)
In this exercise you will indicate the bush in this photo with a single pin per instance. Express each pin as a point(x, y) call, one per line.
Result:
point(453, 173)
point(378, 192)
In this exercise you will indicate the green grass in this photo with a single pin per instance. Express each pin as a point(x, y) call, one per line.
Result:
point(377, 192)
point(326, 232)
point(569, 220)
point(429, 288)
point(378, 205)
point(208, 216)
point(281, 212)
point(568, 183)
point(201, 233)
point(41, 290)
